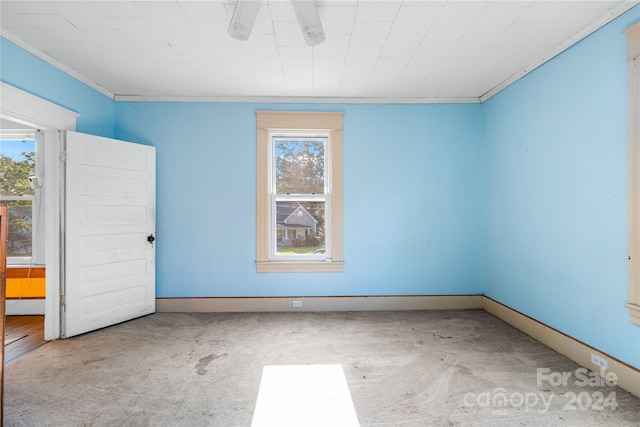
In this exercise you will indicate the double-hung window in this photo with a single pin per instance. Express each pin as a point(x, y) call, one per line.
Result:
point(299, 200)
point(299, 196)
point(20, 176)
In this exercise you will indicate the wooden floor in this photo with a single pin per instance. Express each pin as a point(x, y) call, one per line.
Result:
point(23, 334)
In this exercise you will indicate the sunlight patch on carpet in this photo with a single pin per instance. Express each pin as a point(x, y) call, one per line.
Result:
point(304, 395)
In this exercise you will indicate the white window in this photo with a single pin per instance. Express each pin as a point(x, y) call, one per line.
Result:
point(299, 200)
point(633, 34)
point(20, 179)
point(299, 196)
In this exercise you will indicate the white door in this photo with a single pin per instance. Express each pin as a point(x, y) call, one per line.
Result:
point(109, 267)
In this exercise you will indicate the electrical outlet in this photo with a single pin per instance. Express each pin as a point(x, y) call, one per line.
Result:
point(297, 304)
point(599, 361)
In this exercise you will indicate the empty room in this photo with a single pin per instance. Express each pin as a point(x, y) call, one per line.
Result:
point(320, 213)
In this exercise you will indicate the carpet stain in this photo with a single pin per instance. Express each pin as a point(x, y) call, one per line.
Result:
point(99, 359)
point(201, 366)
point(441, 336)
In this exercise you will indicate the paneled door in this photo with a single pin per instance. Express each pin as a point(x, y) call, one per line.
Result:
point(109, 233)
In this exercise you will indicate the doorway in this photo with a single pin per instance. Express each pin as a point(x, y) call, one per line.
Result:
point(20, 109)
point(20, 156)
point(21, 149)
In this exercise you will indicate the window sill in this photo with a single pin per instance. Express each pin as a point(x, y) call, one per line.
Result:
point(25, 272)
point(16, 265)
point(299, 267)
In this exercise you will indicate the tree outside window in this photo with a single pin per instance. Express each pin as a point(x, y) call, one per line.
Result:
point(17, 164)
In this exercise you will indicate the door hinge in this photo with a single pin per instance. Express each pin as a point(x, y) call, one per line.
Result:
point(63, 157)
point(63, 300)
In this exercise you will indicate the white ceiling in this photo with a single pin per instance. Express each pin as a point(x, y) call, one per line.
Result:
point(376, 51)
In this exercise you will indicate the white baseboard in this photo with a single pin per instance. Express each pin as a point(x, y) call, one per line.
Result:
point(22, 307)
point(355, 303)
point(579, 352)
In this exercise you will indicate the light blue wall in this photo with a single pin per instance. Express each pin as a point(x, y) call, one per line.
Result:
point(25, 71)
point(555, 206)
point(411, 207)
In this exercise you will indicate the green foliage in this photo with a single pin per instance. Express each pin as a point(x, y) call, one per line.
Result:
point(298, 243)
point(14, 181)
point(14, 176)
point(317, 210)
point(300, 166)
point(302, 243)
point(305, 250)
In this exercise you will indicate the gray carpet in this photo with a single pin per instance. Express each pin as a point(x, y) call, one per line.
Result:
point(417, 368)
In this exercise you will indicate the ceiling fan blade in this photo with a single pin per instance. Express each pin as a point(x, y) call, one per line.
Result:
point(243, 19)
point(309, 21)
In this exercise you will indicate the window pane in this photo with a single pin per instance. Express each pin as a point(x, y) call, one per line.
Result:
point(17, 163)
point(299, 165)
point(300, 228)
point(19, 239)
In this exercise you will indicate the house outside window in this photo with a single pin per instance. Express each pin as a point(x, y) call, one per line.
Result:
point(296, 227)
point(299, 199)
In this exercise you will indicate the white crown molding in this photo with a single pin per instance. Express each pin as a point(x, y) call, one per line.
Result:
point(20, 106)
point(51, 60)
point(586, 31)
point(296, 100)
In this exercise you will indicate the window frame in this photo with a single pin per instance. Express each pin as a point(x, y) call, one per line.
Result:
point(268, 124)
point(274, 196)
point(633, 43)
point(37, 202)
